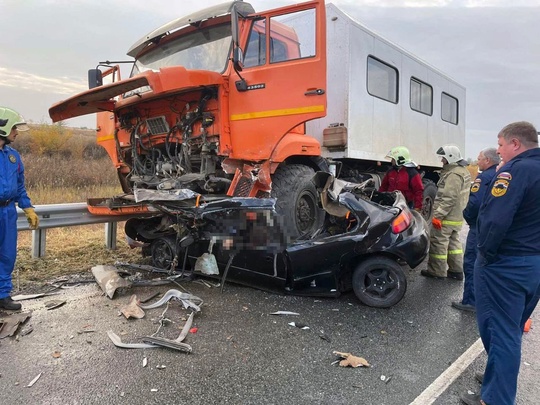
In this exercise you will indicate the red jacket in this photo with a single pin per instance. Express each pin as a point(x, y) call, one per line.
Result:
point(398, 179)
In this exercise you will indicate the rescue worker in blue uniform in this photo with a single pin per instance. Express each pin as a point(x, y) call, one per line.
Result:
point(12, 190)
point(507, 269)
point(487, 161)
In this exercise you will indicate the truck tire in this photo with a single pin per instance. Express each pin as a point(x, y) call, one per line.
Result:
point(379, 282)
point(430, 191)
point(297, 200)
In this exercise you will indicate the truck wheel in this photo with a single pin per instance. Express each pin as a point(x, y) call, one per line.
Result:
point(297, 199)
point(379, 282)
point(430, 191)
point(163, 252)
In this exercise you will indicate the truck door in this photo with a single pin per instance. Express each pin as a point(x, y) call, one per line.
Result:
point(105, 119)
point(284, 78)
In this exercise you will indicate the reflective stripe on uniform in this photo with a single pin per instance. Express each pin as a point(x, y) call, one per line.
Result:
point(457, 223)
point(444, 257)
point(455, 252)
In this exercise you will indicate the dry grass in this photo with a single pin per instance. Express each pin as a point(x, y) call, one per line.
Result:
point(69, 251)
point(64, 165)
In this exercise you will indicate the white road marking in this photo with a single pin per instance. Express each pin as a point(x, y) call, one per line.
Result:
point(440, 385)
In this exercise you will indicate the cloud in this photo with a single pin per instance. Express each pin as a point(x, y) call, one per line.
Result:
point(42, 84)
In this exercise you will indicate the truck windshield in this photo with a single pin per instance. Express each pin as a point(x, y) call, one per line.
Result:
point(205, 49)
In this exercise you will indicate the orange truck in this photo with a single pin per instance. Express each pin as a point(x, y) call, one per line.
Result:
point(229, 101)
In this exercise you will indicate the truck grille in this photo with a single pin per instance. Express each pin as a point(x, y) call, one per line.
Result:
point(157, 125)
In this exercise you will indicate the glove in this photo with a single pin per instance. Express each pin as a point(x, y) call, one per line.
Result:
point(437, 223)
point(32, 217)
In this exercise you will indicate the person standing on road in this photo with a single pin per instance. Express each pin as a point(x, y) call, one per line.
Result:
point(507, 269)
point(445, 247)
point(487, 159)
point(12, 190)
point(404, 177)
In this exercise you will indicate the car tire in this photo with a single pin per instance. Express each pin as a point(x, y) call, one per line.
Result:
point(430, 192)
point(163, 251)
point(379, 282)
point(297, 200)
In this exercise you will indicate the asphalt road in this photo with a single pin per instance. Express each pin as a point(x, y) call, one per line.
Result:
point(243, 355)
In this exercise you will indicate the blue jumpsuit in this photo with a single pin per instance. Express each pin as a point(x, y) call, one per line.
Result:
point(470, 213)
point(507, 270)
point(12, 190)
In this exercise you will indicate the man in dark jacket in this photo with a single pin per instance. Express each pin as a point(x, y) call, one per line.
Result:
point(488, 159)
point(404, 177)
point(507, 269)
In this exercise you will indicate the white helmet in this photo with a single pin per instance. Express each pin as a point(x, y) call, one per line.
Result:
point(450, 152)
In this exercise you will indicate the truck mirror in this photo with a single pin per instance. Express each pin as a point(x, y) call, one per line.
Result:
point(238, 57)
point(95, 78)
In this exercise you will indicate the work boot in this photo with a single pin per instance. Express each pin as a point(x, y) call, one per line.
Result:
point(479, 377)
point(9, 304)
point(455, 275)
point(429, 274)
point(471, 399)
point(463, 307)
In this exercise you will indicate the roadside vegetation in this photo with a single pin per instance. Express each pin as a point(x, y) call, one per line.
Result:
point(65, 165)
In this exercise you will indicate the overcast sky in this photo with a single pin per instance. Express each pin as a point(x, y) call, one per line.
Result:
point(489, 46)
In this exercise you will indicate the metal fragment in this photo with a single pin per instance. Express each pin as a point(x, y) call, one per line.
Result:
point(284, 313)
point(188, 300)
point(118, 342)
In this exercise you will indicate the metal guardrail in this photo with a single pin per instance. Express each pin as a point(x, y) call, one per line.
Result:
point(62, 215)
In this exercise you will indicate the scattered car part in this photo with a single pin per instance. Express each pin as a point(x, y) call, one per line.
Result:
point(188, 300)
point(109, 280)
point(10, 324)
point(54, 304)
point(284, 313)
point(118, 342)
point(132, 309)
point(299, 325)
point(226, 271)
point(177, 343)
point(148, 298)
point(22, 297)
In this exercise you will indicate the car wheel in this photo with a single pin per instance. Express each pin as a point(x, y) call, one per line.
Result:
point(430, 191)
point(297, 199)
point(379, 282)
point(163, 252)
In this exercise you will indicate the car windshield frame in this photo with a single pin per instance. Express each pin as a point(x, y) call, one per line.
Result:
point(205, 48)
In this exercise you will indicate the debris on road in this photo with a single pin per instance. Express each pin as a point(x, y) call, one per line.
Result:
point(285, 313)
point(299, 325)
point(54, 304)
point(350, 360)
point(10, 324)
point(148, 298)
point(34, 380)
point(188, 300)
point(177, 343)
point(118, 342)
point(22, 297)
point(144, 362)
point(132, 309)
point(109, 280)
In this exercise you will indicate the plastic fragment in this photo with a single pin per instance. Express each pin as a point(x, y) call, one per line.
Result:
point(34, 380)
point(144, 362)
point(193, 330)
point(284, 313)
point(299, 325)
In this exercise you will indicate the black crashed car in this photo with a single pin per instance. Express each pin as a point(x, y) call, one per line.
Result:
point(366, 240)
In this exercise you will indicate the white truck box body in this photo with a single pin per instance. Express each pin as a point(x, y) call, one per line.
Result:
point(376, 125)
